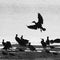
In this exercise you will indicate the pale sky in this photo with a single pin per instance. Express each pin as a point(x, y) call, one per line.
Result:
point(15, 15)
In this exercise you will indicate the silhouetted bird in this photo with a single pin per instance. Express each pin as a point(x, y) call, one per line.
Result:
point(21, 41)
point(47, 41)
point(56, 40)
point(18, 40)
point(38, 24)
point(43, 43)
point(3, 43)
point(22, 37)
point(32, 48)
point(6, 45)
point(25, 41)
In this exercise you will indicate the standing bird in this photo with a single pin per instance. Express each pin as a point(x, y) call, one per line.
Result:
point(6, 45)
point(32, 48)
point(57, 40)
point(43, 44)
point(21, 41)
point(3, 43)
point(38, 25)
point(47, 41)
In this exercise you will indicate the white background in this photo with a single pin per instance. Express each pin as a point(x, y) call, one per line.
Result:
point(15, 15)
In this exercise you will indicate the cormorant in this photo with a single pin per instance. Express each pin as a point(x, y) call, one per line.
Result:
point(43, 43)
point(38, 25)
point(32, 48)
point(47, 41)
point(3, 42)
point(6, 45)
point(21, 41)
point(57, 40)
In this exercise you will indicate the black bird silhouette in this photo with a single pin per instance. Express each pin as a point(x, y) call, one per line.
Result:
point(3, 43)
point(43, 44)
point(32, 48)
point(37, 24)
point(57, 40)
point(6, 45)
point(47, 41)
point(21, 41)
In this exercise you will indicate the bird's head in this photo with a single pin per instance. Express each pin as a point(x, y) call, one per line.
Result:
point(16, 35)
point(3, 40)
point(33, 22)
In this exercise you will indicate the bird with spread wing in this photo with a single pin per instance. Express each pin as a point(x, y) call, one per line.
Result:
point(38, 25)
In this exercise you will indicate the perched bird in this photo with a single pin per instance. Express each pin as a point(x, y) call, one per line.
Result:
point(3, 43)
point(47, 41)
point(43, 44)
point(17, 39)
point(57, 40)
point(38, 25)
point(21, 41)
point(6, 45)
point(32, 48)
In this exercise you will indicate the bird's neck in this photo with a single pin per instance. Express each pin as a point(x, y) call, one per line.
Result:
point(35, 22)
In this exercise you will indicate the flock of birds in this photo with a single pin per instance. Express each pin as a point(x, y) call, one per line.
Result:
point(24, 42)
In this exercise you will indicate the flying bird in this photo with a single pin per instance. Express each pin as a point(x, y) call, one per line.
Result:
point(37, 25)
point(3, 43)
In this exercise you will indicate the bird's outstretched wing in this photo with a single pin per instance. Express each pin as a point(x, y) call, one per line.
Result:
point(40, 18)
point(32, 27)
point(38, 25)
